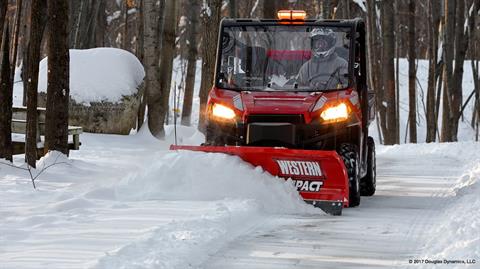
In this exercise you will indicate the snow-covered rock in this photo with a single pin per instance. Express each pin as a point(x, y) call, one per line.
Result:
point(105, 89)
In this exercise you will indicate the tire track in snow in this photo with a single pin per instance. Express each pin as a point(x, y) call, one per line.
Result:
point(384, 232)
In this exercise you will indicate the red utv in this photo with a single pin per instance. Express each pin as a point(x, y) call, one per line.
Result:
point(290, 95)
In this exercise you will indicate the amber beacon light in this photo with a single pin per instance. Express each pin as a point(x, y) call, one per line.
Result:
point(291, 15)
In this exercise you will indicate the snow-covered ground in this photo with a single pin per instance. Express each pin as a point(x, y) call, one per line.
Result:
point(129, 202)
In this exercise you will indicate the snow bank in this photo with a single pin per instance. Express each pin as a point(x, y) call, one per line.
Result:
point(455, 235)
point(460, 237)
point(455, 150)
point(185, 175)
point(99, 74)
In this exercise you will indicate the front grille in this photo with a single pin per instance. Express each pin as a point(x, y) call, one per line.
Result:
point(290, 118)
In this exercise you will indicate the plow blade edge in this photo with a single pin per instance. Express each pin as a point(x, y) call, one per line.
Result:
point(319, 176)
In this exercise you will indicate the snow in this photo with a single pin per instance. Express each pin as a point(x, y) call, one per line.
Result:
point(115, 15)
point(100, 74)
point(206, 9)
point(127, 201)
point(254, 8)
point(462, 220)
point(361, 4)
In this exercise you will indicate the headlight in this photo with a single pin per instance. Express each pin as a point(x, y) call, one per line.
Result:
point(223, 112)
point(335, 113)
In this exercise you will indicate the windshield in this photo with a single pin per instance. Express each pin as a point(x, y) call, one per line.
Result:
point(280, 57)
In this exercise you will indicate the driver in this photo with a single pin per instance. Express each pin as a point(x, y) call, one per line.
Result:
point(325, 69)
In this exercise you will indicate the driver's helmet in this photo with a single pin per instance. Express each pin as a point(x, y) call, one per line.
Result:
point(323, 42)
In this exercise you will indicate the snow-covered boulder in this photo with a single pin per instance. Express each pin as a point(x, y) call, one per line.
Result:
point(106, 85)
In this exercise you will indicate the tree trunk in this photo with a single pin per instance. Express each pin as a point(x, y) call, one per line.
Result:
point(439, 81)
point(100, 25)
point(192, 63)
point(152, 79)
point(141, 56)
point(232, 8)
point(388, 72)
point(448, 50)
point(58, 90)
point(158, 108)
point(87, 23)
point(16, 33)
point(3, 15)
point(6, 92)
point(210, 35)
point(412, 72)
point(433, 21)
point(374, 61)
point(269, 9)
point(398, 45)
point(325, 9)
point(37, 15)
point(125, 26)
point(461, 46)
point(475, 69)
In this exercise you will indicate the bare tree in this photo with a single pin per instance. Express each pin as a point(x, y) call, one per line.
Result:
point(37, 15)
point(475, 69)
point(16, 32)
point(86, 23)
point(6, 89)
point(151, 63)
point(192, 62)
point(126, 6)
point(269, 9)
point(232, 4)
point(141, 56)
point(374, 62)
point(3, 14)
point(461, 46)
point(412, 73)
point(391, 137)
point(166, 60)
point(210, 19)
point(158, 107)
point(448, 38)
point(433, 34)
point(58, 90)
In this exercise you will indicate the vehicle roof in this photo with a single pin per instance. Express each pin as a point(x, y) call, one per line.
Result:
point(243, 22)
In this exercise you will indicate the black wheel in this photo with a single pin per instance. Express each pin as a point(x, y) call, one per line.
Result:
point(349, 154)
point(368, 183)
point(211, 137)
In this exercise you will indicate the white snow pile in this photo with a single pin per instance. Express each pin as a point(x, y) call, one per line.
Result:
point(188, 175)
point(458, 234)
point(455, 237)
point(99, 74)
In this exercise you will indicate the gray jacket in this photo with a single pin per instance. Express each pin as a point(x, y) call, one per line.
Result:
point(325, 73)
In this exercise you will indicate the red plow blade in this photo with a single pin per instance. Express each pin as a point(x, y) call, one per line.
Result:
point(320, 176)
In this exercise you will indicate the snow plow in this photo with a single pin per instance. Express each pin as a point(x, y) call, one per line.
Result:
point(290, 95)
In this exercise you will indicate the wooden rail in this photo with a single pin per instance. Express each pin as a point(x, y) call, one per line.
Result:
point(19, 126)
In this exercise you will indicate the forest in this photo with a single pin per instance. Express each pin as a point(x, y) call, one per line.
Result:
point(444, 33)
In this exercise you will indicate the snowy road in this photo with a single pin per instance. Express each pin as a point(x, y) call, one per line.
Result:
point(127, 202)
point(387, 229)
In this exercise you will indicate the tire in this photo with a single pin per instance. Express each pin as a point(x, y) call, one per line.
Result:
point(211, 137)
point(349, 155)
point(368, 184)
